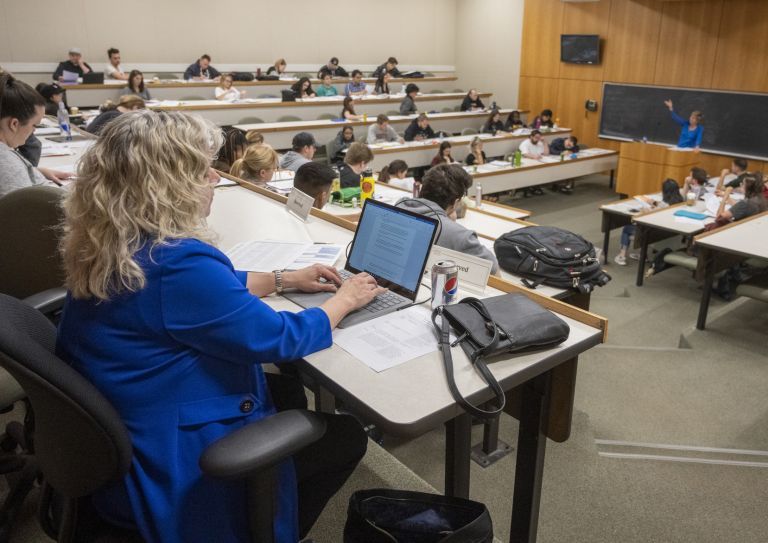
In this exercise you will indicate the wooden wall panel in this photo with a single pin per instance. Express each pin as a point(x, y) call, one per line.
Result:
point(586, 18)
point(687, 43)
point(740, 64)
point(632, 41)
point(572, 93)
point(537, 93)
point(542, 25)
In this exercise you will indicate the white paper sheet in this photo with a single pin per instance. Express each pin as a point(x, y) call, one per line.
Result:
point(391, 340)
point(266, 256)
point(47, 131)
point(319, 253)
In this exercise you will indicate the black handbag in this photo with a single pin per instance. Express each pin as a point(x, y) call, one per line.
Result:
point(490, 327)
point(382, 515)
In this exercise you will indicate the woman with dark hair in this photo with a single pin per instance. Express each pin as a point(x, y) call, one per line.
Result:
point(136, 86)
point(231, 150)
point(472, 102)
point(397, 169)
point(691, 130)
point(754, 201)
point(408, 105)
point(514, 121)
point(382, 84)
point(340, 143)
point(543, 120)
point(303, 88)
point(110, 111)
point(348, 110)
point(21, 108)
point(53, 94)
point(443, 155)
point(494, 123)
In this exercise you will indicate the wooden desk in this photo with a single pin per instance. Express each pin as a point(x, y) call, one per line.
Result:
point(413, 398)
point(421, 153)
point(643, 166)
point(740, 240)
point(280, 134)
point(272, 109)
point(91, 95)
point(617, 215)
point(534, 172)
point(73, 150)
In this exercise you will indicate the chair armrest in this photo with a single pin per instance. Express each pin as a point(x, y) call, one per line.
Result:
point(262, 444)
point(48, 301)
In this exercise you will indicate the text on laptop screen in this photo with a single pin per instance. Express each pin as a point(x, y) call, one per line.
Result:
point(392, 244)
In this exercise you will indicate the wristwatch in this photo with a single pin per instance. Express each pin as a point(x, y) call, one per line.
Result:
point(278, 281)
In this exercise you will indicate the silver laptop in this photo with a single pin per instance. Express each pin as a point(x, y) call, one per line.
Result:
point(391, 244)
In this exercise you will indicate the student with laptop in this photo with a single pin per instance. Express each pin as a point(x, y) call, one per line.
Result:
point(315, 179)
point(381, 131)
point(304, 147)
point(442, 189)
point(112, 69)
point(201, 70)
point(74, 65)
point(187, 334)
point(333, 69)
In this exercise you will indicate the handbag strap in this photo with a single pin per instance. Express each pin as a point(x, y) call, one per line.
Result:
point(444, 341)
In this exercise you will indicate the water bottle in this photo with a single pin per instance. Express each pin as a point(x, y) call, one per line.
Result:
point(645, 139)
point(478, 195)
point(518, 158)
point(63, 118)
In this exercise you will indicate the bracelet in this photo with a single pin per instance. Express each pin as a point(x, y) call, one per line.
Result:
point(278, 281)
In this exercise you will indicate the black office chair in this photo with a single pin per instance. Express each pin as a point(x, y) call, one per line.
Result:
point(81, 444)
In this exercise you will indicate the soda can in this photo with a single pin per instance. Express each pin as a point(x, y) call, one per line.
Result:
point(445, 283)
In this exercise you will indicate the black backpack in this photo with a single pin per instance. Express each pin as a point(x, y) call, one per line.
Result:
point(549, 255)
point(242, 76)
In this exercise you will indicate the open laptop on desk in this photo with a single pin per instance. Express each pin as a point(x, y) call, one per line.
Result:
point(392, 245)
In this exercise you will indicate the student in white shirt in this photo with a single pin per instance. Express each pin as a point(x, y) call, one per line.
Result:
point(226, 91)
point(534, 147)
point(113, 70)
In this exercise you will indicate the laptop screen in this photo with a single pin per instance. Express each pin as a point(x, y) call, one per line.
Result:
point(392, 244)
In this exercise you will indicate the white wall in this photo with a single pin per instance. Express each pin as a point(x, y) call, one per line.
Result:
point(488, 47)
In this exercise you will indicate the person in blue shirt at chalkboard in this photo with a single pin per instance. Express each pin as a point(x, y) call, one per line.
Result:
point(692, 131)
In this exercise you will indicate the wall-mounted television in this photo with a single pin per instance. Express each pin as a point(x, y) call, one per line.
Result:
point(580, 48)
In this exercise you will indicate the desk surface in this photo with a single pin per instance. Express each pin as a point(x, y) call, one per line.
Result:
point(748, 237)
point(70, 151)
point(409, 399)
point(665, 219)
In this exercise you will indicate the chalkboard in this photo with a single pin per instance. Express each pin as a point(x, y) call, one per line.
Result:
point(734, 123)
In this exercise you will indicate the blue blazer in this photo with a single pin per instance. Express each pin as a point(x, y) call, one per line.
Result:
point(688, 137)
point(180, 361)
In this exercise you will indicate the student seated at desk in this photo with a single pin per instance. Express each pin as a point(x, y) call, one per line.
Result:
point(382, 84)
point(739, 169)
point(303, 88)
point(691, 131)
point(112, 69)
point(201, 70)
point(22, 108)
point(254, 137)
point(231, 150)
point(381, 131)
point(443, 155)
point(110, 111)
point(333, 69)
point(395, 174)
point(696, 182)
point(476, 154)
point(315, 179)
point(472, 102)
point(543, 120)
point(258, 164)
point(226, 90)
point(754, 201)
point(336, 148)
point(278, 68)
point(493, 124)
point(513, 121)
point(348, 110)
point(355, 162)
point(408, 105)
point(389, 67)
point(564, 147)
point(136, 86)
point(356, 87)
point(670, 195)
point(54, 95)
point(185, 336)
point(534, 147)
point(304, 147)
point(326, 89)
point(419, 129)
point(442, 189)
point(75, 64)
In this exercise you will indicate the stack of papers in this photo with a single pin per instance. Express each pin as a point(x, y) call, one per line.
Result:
point(266, 256)
point(282, 187)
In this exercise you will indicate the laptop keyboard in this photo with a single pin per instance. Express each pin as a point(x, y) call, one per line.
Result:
point(380, 302)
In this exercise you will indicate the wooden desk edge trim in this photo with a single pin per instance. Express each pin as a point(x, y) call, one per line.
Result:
point(585, 317)
point(703, 235)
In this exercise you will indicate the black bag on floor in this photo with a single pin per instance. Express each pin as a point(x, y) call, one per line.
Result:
point(552, 256)
point(380, 515)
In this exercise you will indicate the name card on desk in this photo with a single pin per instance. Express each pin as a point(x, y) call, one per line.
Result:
point(473, 271)
point(299, 204)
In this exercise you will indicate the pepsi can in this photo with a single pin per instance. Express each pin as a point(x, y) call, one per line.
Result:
point(445, 283)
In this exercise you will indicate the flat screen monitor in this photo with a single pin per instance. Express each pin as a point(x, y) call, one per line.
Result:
point(580, 48)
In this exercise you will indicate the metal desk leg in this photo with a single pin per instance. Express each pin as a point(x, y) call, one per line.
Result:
point(529, 470)
point(642, 233)
point(325, 402)
point(706, 288)
point(610, 183)
point(606, 241)
point(458, 443)
point(492, 449)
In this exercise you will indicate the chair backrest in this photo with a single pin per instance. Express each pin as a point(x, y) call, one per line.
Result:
point(29, 256)
point(392, 112)
point(81, 443)
point(167, 75)
point(468, 131)
point(191, 98)
point(326, 117)
point(268, 96)
point(288, 119)
point(250, 120)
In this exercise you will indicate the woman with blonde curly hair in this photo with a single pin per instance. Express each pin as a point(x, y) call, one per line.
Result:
point(160, 321)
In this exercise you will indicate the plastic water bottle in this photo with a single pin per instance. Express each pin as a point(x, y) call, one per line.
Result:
point(63, 118)
point(518, 158)
point(645, 139)
point(478, 195)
